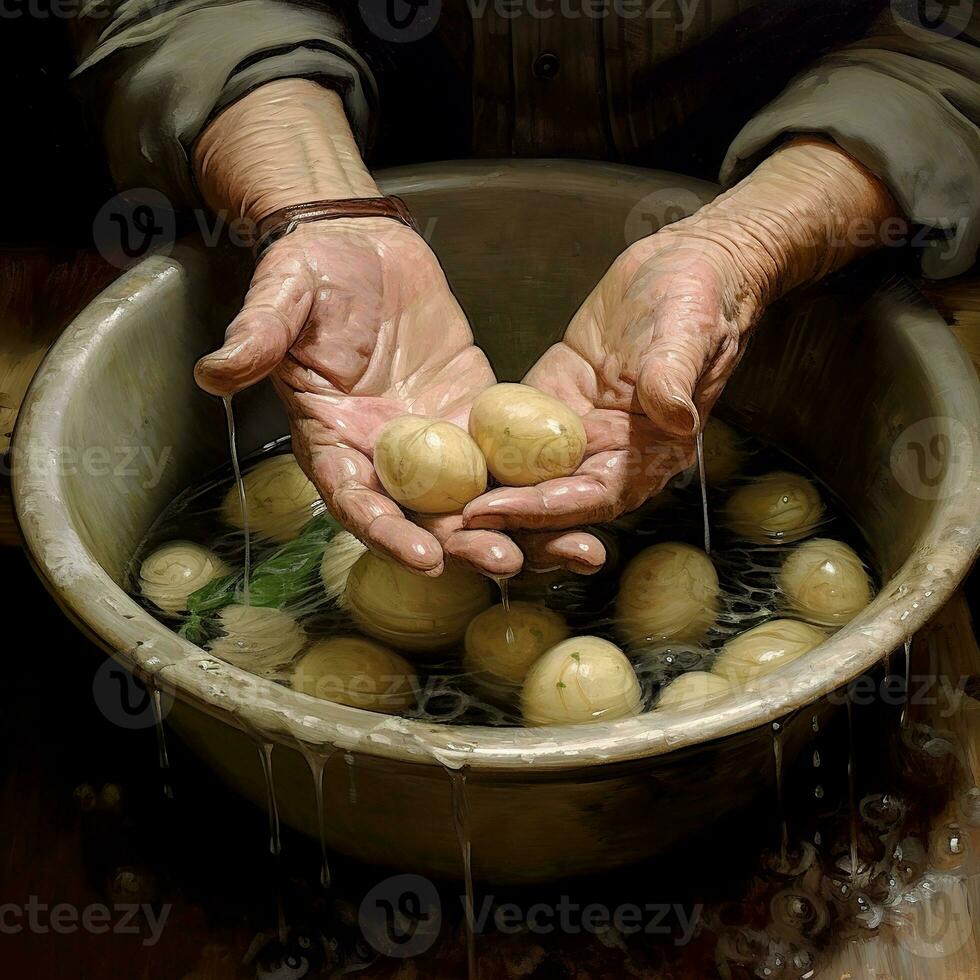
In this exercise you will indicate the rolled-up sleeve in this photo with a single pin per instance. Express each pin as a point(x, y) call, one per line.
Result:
point(905, 102)
point(157, 73)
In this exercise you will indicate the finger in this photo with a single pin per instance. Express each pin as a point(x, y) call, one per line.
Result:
point(598, 491)
point(714, 379)
point(272, 316)
point(349, 487)
point(573, 551)
point(666, 382)
point(487, 552)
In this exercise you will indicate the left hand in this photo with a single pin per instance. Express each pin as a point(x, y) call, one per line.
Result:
point(649, 352)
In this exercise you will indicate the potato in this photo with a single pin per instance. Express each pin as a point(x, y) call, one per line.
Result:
point(428, 465)
point(500, 644)
point(724, 452)
point(582, 679)
point(693, 690)
point(669, 591)
point(260, 639)
point(774, 508)
point(175, 570)
point(825, 582)
point(766, 648)
point(279, 497)
point(357, 672)
point(526, 435)
point(339, 557)
point(414, 612)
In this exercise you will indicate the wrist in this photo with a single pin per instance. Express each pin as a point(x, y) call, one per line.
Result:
point(286, 143)
point(806, 211)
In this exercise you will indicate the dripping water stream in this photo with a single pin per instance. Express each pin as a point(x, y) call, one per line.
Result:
point(904, 722)
point(265, 750)
point(502, 584)
point(777, 755)
point(461, 823)
point(163, 757)
point(317, 761)
point(704, 493)
point(851, 792)
point(240, 484)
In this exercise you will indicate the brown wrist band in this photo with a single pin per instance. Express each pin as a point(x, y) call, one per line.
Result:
point(280, 223)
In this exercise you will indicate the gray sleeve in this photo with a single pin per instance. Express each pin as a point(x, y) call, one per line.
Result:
point(156, 74)
point(905, 102)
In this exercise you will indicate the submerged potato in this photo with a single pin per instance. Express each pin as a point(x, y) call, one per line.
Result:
point(428, 465)
point(583, 679)
point(260, 639)
point(766, 648)
point(774, 508)
point(357, 672)
point(339, 557)
point(526, 435)
point(693, 690)
point(175, 570)
point(668, 592)
point(825, 582)
point(414, 612)
point(724, 452)
point(501, 644)
point(279, 497)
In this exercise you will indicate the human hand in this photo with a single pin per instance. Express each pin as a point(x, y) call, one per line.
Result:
point(649, 352)
point(354, 321)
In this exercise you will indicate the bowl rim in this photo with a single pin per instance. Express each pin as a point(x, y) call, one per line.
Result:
point(922, 585)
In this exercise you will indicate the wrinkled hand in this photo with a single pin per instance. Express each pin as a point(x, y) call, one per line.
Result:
point(643, 362)
point(355, 323)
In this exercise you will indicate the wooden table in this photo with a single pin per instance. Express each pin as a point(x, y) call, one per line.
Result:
point(82, 819)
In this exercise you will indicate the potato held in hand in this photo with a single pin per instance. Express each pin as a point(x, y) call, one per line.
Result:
point(526, 435)
point(584, 679)
point(357, 672)
point(428, 465)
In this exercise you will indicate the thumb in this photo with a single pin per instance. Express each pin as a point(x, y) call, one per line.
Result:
point(256, 341)
point(666, 384)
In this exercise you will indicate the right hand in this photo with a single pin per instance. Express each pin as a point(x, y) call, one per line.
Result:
point(355, 323)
